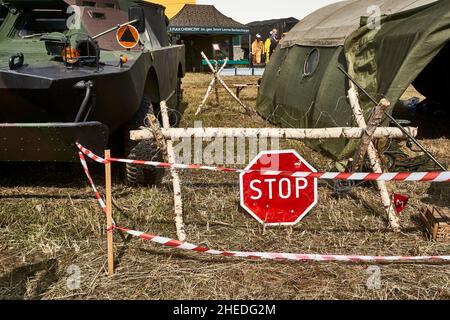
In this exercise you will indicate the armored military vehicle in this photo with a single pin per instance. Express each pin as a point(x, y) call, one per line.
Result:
point(65, 76)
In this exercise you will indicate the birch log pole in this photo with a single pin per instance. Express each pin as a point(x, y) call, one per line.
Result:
point(374, 160)
point(178, 202)
point(168, 149)
point(218, 78)
point(368, 135)
point(249, 133)
point(216, 86)
point(213, 84)
point(243, 105)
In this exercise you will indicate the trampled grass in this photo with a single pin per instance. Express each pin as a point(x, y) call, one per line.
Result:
point(50, 226)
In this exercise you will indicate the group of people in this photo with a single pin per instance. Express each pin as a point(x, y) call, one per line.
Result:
point(263, 50)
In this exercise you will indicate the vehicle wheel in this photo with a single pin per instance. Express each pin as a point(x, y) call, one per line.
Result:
point(142, 175)
point(143, 150)
point(176, 112)
point(179, 93)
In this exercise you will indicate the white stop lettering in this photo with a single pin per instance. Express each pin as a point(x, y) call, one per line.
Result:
point(283, 188)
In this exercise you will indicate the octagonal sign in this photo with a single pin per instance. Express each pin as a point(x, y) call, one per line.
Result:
point(271, 192)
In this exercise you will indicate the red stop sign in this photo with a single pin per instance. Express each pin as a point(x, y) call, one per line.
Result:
point(272, 194)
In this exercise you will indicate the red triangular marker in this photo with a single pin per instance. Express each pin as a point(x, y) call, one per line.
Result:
point(400, 202)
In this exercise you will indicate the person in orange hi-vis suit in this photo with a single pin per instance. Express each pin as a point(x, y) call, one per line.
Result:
point(257, 50)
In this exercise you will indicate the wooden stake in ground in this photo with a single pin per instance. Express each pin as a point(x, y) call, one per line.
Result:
point(109, 219)
point(213, 83)
point(181, 233)
point(374, 158)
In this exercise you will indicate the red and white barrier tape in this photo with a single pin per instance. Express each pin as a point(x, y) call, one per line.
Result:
point(400, 176)
point(98, 197)
point(256, 255)
point(279, 256)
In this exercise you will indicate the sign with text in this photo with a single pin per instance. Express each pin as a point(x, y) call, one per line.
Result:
point(273, 194)
point(208, 30)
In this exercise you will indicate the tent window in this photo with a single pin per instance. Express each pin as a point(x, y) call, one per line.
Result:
point(311, 63)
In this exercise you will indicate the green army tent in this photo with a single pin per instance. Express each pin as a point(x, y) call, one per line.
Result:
point(303, 88)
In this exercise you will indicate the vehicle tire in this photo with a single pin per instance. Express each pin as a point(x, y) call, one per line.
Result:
point(176, 112)
point(148, 150)
point(179, 93)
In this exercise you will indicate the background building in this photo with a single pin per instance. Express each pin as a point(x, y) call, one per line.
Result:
point(173, 6)
point(204, 28)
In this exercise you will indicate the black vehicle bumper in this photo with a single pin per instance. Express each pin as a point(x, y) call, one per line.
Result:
point(50, 141)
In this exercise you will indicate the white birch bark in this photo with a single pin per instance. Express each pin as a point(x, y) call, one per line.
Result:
point(275, 133)
point(374, 160)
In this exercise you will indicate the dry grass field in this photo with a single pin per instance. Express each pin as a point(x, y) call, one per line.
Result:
point(49, 223)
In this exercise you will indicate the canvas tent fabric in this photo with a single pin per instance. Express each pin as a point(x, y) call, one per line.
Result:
point(331, 25)
point(409, 47)
point(204, 19)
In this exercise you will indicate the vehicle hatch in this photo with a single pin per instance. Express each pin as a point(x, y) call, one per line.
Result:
point(41, 21)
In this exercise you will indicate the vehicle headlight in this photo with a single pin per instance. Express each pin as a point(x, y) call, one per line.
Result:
point(70, 55)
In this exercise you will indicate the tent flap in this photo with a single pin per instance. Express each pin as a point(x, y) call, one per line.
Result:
point(388, 60)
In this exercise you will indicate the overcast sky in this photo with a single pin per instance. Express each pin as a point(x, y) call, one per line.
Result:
point(246, 11)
